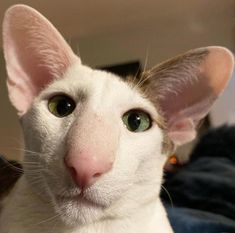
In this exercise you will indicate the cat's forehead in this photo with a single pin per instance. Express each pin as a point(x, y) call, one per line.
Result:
point(102, 88)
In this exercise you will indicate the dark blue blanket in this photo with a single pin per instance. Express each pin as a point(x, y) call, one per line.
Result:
point(203, 191)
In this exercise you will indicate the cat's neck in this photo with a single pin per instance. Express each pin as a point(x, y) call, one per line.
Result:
point(25, 212)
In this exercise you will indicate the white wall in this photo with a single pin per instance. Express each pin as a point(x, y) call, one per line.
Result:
point(10, 135)
point(161, 42)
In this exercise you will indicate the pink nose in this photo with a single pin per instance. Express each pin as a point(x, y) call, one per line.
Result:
point(86, 170)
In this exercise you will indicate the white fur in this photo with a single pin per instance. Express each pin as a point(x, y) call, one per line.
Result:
point(126, 199)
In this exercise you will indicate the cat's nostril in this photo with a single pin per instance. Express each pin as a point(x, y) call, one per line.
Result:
point(85, 170)
point(96, 175)
point(73, 172)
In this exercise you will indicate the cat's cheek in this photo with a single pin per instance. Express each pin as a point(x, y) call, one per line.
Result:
point(139, 147)
point(146, 154)
point(44, 139)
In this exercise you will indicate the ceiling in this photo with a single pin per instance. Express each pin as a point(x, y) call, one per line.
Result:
point(85, 18)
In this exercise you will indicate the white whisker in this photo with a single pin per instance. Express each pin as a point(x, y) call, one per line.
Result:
point(48, 219)
point(146, 59)
point(168, 194)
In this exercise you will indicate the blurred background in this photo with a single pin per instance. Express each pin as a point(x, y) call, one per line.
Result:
point(124, 34)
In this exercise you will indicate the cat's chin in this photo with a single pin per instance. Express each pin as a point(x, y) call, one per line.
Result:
point(76, 210)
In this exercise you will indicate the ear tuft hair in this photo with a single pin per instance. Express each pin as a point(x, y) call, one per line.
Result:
point(185, 87)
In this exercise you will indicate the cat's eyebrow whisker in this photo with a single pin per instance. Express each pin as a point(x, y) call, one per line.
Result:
point(168, 194)
point(146, 59)
point(136, 74)
point(141, 80)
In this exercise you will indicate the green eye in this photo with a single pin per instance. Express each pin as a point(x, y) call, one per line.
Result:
point(137, 120)
point(61, 105)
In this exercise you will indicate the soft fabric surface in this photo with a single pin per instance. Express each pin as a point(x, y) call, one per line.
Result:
point(203, 191)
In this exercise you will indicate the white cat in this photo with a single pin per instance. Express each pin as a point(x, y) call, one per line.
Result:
point(95, 145)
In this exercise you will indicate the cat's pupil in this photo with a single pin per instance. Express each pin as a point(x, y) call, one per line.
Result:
point(63, 107)
point(134, 121)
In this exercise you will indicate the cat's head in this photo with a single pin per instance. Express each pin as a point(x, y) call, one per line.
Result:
point(97, 143)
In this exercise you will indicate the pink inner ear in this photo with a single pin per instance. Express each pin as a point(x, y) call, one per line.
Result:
point(182, 126)
point(195, 93)
point(183, 132)
point(35, 54)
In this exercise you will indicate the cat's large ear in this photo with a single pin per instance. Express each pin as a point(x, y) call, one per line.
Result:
point(184, 88)
point(35, 54)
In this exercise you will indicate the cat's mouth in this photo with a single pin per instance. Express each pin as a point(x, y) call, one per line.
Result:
point(78, 208)
point(79, 198)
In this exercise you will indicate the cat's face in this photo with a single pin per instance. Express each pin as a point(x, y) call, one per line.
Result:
point(97, 144)
point(95, 127)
